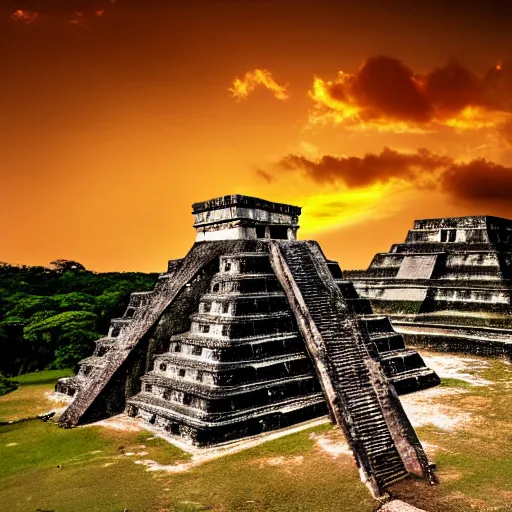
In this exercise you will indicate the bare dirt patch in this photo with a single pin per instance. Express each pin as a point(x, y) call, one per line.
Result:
point(289, 464)
point(458, 367)
point(430, 449)
point(449, 475)
point(53, 396)
point(119, 422)
point(426, 407)
point(332, 443)
point(432, 406)
point(200, 455)
point(399, 506)
point(169, 468)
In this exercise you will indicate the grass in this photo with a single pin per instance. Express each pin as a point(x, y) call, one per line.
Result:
point(46, 467)
point(396, 307)
point(31, 397)
point(287, 474)
point(96, 474)
point(474, 464)
point(455, 383)
point(42, 377)
point(160, 450)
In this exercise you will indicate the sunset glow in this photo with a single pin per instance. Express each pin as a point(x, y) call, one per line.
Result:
point(117, 116)
point(327, 211)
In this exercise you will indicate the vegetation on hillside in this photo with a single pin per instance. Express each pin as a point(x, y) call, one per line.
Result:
point(50, 317)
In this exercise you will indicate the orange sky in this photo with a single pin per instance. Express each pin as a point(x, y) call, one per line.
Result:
point(111, 130)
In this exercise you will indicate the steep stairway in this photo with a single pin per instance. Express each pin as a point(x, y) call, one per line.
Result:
point(361, 400)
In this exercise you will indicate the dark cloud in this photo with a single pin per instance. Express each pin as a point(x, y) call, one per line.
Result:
point(384, 90)
point(371, 168)
point(478, 181)
point(384, 85)
point(496, 87)
point(451, 88)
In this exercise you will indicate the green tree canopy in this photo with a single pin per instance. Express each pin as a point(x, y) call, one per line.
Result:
point(50, 317)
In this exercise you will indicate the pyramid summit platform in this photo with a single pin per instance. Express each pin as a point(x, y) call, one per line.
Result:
point(253, 331)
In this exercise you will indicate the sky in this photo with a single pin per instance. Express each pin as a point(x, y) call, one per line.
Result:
point(117, 115)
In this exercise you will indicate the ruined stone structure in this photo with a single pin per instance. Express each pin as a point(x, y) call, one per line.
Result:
point(251, 331)
point(448, 286)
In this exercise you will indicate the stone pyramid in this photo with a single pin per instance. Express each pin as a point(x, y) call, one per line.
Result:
point(252, 331)
point(448, 286)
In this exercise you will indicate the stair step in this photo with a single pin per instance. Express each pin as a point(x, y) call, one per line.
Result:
point(349, 374)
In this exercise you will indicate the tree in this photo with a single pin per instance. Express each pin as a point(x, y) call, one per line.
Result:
point(62, 336)
point(6, 386)
point(64, 265)
point(50, 317)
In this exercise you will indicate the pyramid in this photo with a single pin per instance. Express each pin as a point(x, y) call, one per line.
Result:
point(253, 331)
point(448, 286)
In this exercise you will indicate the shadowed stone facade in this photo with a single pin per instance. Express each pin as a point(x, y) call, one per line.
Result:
point(448, 286)
point(253, 332)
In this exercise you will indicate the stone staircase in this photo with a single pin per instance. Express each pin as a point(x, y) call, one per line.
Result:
point(403, 367)
point(361, 400)
point(112, 374)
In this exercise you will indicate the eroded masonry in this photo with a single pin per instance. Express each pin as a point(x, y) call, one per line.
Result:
point(448, 286)
point(252, 331)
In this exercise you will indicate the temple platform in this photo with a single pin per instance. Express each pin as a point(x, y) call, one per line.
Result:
point(448, 286)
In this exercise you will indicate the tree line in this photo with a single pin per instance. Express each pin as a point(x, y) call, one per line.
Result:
point(51, 316)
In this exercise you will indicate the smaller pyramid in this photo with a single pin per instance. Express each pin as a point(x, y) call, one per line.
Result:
point(448, 286)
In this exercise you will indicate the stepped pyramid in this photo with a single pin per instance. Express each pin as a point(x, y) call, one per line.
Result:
point(252, 331)
point(448, 286)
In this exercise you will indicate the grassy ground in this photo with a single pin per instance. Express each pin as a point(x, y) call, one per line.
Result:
point(292, 473)
point(474, 462)
point(46, 467)
point(30, 399)
point(97, 473)
point(48, 377)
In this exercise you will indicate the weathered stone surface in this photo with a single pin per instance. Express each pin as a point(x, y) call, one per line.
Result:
point(256, 331)
point(104, 393)
point(241, 368)
point(243, 217)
